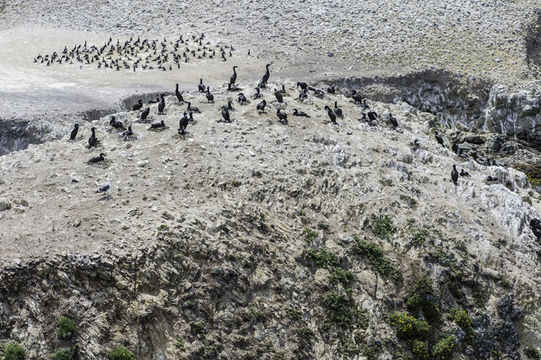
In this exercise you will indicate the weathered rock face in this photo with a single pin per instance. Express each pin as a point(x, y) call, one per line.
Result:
point(252, 239)
point(515, 113)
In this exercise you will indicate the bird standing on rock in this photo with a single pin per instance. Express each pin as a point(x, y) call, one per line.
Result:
point(242, 99)
point(97, 159)
point(454, 175)
point(331, 114)
point(191, 108)
point(179, 95)
point(278, 96)
point(282, 117)
point(225, 114)
point(393, 120)
point(439, 139)
point(73, 134)
point(144, 114)
point(182, 124)
point(201, 87)
point(266, 76)
point(138, 106)
point(337, 110)
point(161, 105)
point(233, 78)
point(92, 140)
point(210, 96)
point(159, 125)
point(300, 113)
point(261, 106)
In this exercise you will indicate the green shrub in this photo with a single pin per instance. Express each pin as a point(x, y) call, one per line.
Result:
point(66, 353)
point(422, 298)
point(198, 328)
point(14, 352)
point(532, 353)
point(443, 349)
point(309, 235)
point(462, 319)
point(121, 353)
point(65, 327)
point(420, 237)
point(341, 276)
point(378, 261)
point(342, 311)
point(408, 327)
point(419, 350)
point(383, 226)
point(322, 257)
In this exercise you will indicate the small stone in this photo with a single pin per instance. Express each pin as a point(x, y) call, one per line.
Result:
point(5, 205)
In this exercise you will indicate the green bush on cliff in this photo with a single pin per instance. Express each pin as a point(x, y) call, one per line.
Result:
point(14, 352)
point(121, 353)
point(66, 353)
point(443, 349)
point(65, 327)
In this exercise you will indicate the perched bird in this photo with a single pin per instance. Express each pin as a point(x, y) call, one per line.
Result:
point(278, 96)
point(319, 93)
point(144, 114)
point(439, 139)
point(242, 99)
point(225, 114)
point(182, 124)
point(261, 106)
point(138, 106)
point(454, 175)
point(463, 173)
point(302, 85)
point(179, 95)
point(337, 110)
point(358, 98)
point(454, 147)
point(393, 120)
point(159, 125)
point(300, 113)
point(116, 124)
point(92, 140)
point(201, 87)
point(233, 78)
point(266, 76)
point(161, 105)
point(128, 133)
point(73, 134)
point(210, 96)
point(283, 90)
point(232, 87)
point(331, 114)
point(97, 159)
point(372, 115)
point(191, 108)
point(282, 117)
point(331, 90)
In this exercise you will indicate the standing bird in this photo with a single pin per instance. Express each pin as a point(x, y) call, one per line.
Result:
point(225, 114)
point(209, 95)
point(303, 95)
point(302, 85)
point(266, 76)
point(201, 87)
point(454, 148)
point(331, 114)
point(144, 114)
point(233, 78)
point(128, 133)
point(337, 110)
point(439, 139)
point(331, 90)
point(179, 95)
point(242, 99)
point(116, 124)
point(92, 140)
point(454, 175)
point(282, 116)
point(73, 134)
point(261, 106)
point(138, 106)
point(161, 105)
point(393, 120)
point(182, 124)
point(279, 96)
point(358, 98)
